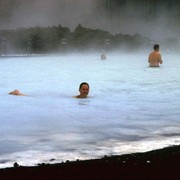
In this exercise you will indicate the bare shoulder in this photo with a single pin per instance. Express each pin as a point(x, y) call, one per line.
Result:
point(17, 93)
point(76, 96)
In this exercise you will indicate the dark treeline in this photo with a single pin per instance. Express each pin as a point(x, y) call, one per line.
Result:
point(150, 5)
point(58, 39)
point(144, 9)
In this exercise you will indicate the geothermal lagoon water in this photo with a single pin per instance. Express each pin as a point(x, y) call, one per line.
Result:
point(131, 107)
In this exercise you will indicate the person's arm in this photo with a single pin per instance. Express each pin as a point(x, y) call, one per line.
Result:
point(160, 59)
point(149, 59)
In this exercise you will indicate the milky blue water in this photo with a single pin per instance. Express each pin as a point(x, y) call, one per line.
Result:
point(131, 107)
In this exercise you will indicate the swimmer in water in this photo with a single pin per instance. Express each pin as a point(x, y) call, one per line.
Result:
point(103, 57)
point(155, 57)
point(84, 90)
point(17, 93)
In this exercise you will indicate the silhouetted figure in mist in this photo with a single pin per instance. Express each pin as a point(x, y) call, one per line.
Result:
point(103, 57)
point(155, 57)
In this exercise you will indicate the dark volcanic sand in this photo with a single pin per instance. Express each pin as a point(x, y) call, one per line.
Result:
point(158, 164)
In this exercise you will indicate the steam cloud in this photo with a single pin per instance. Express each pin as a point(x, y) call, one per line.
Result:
point(20, 13)
point(123, 16)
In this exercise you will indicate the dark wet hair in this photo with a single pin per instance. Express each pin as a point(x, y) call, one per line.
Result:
point(156, 46)
point(83, 83)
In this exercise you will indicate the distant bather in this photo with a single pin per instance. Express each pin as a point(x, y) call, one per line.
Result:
point(155, 57)
point(103, 57)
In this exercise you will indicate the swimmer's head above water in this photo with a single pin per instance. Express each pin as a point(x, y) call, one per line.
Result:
point(84, 90)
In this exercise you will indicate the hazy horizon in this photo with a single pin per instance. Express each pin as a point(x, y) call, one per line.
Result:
point(156, 21)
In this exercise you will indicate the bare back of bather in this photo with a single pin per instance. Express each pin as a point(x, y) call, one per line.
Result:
point(155, 57)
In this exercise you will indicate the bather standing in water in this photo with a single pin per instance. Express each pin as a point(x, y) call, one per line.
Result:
point(103, 57)
point(17, 93)
point(84, 90)
point(155, 57)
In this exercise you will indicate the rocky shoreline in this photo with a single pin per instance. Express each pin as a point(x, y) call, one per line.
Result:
point(157, 164)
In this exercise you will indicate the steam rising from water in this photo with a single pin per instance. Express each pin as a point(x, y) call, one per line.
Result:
point(46, 12)
point(159, 21)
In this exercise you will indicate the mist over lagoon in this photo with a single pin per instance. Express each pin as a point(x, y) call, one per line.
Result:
point(131, 107)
